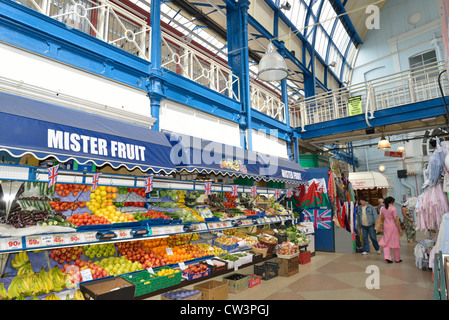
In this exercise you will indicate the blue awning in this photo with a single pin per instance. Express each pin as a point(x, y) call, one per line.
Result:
point(46, 130)
point(282, 170)
point(191, 154)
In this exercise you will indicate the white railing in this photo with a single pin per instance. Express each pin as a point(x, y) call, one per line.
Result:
point(131, 32)
point(181, 58)
point(102, 19)
point(391, 91)
point(267, 102)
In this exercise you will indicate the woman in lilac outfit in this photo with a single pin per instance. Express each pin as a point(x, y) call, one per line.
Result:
point(392, 231)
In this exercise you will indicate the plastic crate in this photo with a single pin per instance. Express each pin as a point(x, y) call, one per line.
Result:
point(193, 276)
point(221, 265)
point(267, 271)
point(236, 286)
point(144, 281)
point(304, 257)
point(253, 280)
point(171, 279)
point(228, 248)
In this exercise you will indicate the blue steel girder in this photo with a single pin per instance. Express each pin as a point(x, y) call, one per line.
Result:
point(266, 34)
point(340, 9)
point(406, 113)
point(305, 43)
point(34, 32)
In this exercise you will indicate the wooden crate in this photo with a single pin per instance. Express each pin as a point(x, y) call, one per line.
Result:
point(288, 267)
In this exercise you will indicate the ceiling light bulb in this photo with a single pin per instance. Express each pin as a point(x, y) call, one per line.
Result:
point(383, 143)
point(272, 66)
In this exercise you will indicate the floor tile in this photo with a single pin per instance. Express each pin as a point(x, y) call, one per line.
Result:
point(317, 282)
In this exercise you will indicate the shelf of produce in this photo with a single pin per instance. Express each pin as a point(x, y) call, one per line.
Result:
point(185, 283)
point(119, 232)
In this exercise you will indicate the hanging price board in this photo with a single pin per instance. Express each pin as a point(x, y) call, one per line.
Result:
point(124, 233)
point(47, 240)
point(14, 243)
point(90, 237)
point(75, 238)
point(33, 241)
point(59, 239)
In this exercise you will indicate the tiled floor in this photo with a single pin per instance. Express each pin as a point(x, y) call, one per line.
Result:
point(337, 276)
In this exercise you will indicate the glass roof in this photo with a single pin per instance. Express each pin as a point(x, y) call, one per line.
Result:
point(323, 29)
point(331, 37)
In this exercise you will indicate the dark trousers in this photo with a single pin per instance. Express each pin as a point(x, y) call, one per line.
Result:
point(368, 232)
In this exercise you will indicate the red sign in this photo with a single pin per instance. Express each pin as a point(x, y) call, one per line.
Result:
point(393, 154)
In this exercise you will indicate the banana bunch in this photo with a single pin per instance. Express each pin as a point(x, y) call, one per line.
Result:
point(25, 269)
point(46, 281)
point(52, 297)
point(78, 295)
point(3, 294)
point(35, 283)
point(58, 278)
point(19, 286)
point(21, 258)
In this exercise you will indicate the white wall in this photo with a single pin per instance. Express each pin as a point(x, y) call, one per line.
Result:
point(386, 51)
point(57, 78)
point(182, 119)
point(265, 143)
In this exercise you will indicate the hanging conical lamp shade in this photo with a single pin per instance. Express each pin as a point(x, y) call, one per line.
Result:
point(383, 143)
point(272, 66)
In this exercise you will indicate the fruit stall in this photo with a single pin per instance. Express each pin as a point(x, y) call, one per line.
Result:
point(84, 207)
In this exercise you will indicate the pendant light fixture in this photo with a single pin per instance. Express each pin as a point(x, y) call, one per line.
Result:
point(272, 66)
point(401, 149)
point(383, 144)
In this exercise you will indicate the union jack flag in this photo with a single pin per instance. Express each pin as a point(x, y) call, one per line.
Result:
point(234, 191)
point(95, 180)
point(289, 193)
point(254, 191)
point(208, 188)
point(321, 218)
point(277, 193)
point(52, 175)
point(148, 184)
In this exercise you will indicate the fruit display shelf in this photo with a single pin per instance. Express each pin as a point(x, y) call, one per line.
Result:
point(125, 231)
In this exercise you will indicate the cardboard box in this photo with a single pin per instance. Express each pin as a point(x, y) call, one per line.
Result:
point(213, 290)
point(108, 289)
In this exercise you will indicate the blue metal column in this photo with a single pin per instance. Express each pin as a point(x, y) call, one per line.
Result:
point(286, 107)
point(238, 59)
point(154, 85)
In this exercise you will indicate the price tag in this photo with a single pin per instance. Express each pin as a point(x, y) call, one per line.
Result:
point(182, 266)
point(33, 241)
point(13, 243)
point(209, 261)
point(59, 239)
point(86, 274)
point(74, 238)
point(150, 270)
point(241, 243)
point(47, 240)
point(169, 251)
point(90, 236)
point(155, 231)
point(211, 249)
point(125, 233)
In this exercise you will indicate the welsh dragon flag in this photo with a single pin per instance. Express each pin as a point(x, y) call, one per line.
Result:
point(312, 195)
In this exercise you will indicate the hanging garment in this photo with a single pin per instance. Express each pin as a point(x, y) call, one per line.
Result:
point(330, 188)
